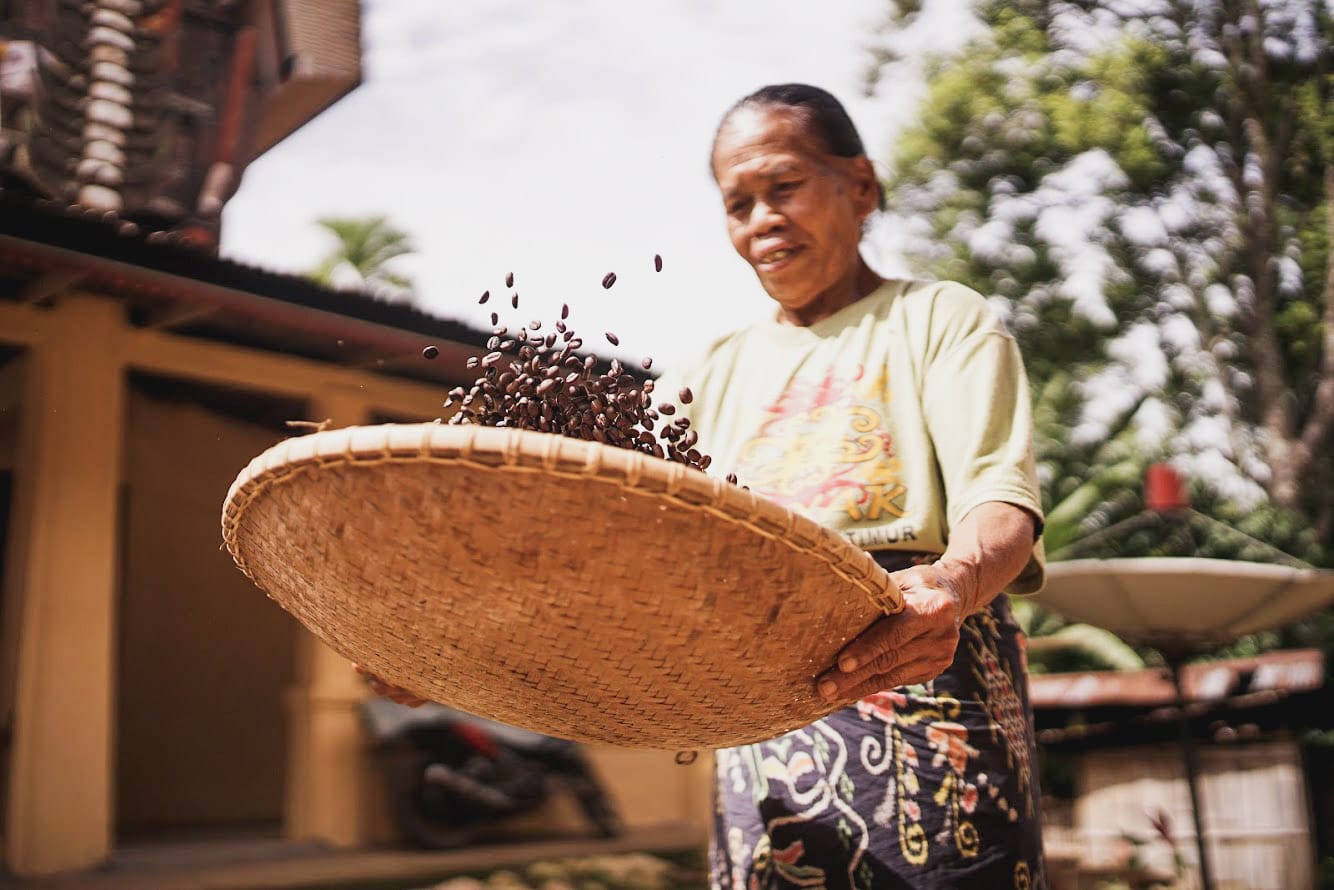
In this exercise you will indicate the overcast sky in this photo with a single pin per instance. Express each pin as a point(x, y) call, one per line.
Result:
point(561, 141)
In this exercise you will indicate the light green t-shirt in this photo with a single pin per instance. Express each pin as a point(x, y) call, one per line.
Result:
point(887, 421)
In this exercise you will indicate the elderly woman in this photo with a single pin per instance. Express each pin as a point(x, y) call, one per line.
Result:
point(895, 412)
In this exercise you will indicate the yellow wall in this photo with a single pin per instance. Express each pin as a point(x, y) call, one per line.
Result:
point(204, 659)
point(151, 684)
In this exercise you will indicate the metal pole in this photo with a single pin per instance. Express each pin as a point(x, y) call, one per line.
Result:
point(1191, 764)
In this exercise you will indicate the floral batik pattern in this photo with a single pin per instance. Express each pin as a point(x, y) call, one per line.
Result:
point(927, 786)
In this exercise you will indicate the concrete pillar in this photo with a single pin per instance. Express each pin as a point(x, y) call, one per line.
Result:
point(333, 792)
point(61, 588)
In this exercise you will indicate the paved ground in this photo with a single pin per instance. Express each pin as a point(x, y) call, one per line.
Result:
point(281, 865)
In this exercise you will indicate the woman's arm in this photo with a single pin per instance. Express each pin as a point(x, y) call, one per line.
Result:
point(987, 550)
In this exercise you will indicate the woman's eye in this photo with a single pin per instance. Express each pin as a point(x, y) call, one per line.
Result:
point(787, 187)
point(736, 208)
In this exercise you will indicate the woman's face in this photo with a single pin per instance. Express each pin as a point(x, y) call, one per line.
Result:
point(794, 211)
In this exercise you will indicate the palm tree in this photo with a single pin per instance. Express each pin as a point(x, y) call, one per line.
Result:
point(366, 246)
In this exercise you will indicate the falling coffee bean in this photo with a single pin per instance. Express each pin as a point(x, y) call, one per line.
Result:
point(509, 280)
point(608, 280)
point(528, 383)
point(657, 262)
point(486, 295)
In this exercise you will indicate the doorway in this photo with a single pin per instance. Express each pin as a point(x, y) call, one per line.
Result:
point(205, 659)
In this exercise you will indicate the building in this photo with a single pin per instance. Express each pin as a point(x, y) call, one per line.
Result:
point(146, 688)
point(1116, 805)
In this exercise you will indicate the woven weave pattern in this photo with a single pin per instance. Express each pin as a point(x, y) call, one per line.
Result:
point(568, 587)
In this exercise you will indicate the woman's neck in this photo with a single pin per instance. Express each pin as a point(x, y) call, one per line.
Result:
point(858, 284)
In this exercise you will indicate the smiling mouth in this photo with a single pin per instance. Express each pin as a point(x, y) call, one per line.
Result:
point(777, 256)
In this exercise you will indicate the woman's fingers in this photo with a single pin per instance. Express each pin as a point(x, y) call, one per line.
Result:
point(877, 642)
point(915, 645)
point(918, 659)
point(919, 671)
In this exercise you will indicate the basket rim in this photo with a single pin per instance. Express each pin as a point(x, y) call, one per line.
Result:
point(526, 451)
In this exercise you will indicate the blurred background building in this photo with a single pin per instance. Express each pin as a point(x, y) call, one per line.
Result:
point(147, 690)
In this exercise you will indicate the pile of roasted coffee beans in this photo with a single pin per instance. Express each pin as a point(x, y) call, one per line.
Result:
point(536, 380)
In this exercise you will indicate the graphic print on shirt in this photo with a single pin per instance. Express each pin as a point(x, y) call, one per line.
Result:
point(824, 450)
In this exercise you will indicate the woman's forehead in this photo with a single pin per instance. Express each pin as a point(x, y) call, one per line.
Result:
point(763, 141)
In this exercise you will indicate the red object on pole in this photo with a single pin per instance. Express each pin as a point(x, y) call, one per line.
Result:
point(1164, 489)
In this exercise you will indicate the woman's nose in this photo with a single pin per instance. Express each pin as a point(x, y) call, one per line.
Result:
point(764, 218)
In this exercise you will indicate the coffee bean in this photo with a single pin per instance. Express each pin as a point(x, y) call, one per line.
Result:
point(509, 280)
point(608, 280)
point(486, 295)
point(528, 383)
point(657, 262)
point(514, 301)
point(686, 396)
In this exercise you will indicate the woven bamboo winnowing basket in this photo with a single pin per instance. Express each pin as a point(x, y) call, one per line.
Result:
point(568, 587)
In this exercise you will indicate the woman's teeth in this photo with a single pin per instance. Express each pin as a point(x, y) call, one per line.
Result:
point(776, 255)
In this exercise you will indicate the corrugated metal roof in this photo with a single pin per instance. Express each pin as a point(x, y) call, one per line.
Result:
point(1296, 670)
point(246, 304)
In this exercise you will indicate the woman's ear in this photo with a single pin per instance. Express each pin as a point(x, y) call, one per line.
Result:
point(865, 185)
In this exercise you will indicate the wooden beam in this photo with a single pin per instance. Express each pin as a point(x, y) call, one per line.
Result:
point(50, 284)
point(159, 352)
point(22, 324)
point(60, 806)
point(175, 316)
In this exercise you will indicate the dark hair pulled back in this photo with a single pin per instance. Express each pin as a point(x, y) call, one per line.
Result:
point(822, 115)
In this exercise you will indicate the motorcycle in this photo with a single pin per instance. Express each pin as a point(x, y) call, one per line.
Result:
point(451, 775)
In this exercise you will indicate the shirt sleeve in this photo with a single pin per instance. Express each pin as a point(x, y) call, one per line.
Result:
point(978, 414)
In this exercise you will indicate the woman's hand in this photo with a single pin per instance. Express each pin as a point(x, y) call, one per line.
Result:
point(987, 550)
point(914, 646)
point(390, 691)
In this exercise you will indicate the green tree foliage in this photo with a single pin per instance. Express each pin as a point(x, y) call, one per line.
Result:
point(1145, 188)
point(364, 253)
